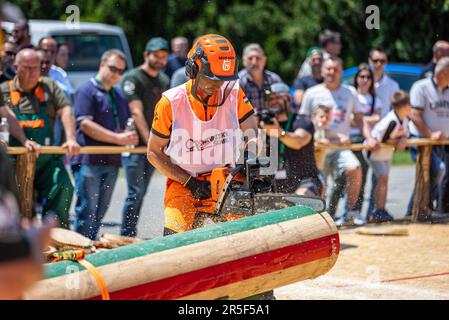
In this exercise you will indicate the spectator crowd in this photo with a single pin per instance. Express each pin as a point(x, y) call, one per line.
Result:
point(116, 108)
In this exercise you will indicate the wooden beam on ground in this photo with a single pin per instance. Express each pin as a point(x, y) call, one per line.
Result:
point(25, 169)
point(421, 210)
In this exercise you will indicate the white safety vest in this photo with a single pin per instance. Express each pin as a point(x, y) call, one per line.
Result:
point(199, 146)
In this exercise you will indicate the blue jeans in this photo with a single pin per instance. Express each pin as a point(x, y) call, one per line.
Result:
point(138, 173)
point(437, 172)
point(94, 186)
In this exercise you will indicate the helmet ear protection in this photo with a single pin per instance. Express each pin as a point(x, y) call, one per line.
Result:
point(191, 66)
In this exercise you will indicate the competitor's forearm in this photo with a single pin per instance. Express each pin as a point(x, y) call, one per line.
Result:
point(163, 163)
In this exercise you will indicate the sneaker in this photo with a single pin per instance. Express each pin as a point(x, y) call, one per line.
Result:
point(340, 221)
point(439, 217)
point(357, 217)
point(380, 215)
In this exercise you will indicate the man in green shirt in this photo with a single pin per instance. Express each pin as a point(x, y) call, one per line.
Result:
point(36, 101)
point(143, 87)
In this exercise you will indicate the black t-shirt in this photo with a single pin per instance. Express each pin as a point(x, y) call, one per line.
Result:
point(138, 85)
point(300, 164)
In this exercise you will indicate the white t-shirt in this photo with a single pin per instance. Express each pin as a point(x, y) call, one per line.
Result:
point(365, 104)
point(385, 89)
point(379, 130)
point(341, 101)
point(426, 96)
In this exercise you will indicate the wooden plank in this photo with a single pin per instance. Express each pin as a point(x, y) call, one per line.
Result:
point(84, 150)
point(421, 210)
point(143, 150)
point(25, 170)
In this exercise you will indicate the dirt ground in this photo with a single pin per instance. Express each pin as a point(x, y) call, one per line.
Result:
point(415, 266)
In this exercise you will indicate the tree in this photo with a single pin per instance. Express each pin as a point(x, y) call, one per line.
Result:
point(285, 29)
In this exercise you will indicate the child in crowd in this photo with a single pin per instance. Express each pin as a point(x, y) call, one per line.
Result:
point(392, 130)
point(323, 136)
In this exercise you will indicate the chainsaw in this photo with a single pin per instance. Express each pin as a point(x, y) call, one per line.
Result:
point(245, 191)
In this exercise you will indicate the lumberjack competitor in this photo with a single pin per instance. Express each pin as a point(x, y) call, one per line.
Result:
point(198, 127)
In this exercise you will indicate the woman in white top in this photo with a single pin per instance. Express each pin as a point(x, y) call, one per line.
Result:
point(370, 106)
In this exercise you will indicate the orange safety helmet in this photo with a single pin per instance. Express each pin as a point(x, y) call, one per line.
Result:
point(212, 57)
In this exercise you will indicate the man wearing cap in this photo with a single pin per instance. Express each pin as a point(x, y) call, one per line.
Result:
point(143, 87)
point(301, 84)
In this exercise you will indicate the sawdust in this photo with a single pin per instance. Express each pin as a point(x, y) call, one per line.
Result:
point(366, 262)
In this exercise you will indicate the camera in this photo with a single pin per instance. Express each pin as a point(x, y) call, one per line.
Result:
point(267, 115)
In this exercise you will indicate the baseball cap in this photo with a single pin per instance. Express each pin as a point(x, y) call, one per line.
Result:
point(157, 43)
point(279, 87)
point(312, 50)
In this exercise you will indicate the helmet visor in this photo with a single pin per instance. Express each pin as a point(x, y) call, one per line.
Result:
point(212, 93)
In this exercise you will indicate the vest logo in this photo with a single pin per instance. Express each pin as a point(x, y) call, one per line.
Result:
point(210, 142)
point(226, 65)
point(33, 124)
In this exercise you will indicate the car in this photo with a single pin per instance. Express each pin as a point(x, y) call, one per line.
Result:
point(86, 44)
point(404, 74)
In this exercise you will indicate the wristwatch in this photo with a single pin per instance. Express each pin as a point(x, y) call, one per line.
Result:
point(282, 134)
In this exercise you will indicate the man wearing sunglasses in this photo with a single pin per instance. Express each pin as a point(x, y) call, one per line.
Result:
point(7, 61)
point(48, 47)
point(101, 113)
point(384, 85)
point(143, 87)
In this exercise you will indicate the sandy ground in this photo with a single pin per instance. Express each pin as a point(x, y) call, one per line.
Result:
point(383, 267)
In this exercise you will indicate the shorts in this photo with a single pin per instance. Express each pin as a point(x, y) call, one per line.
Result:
point(337, 162)
point(380, 167)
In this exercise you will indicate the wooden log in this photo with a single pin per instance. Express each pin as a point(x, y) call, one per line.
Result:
point(421, 210)
point(235, 260)
point(25, 169)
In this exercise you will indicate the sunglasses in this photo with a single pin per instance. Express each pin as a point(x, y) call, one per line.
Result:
point(365, 77)
point(116, 70)
point(382, 61)
point(9, 53)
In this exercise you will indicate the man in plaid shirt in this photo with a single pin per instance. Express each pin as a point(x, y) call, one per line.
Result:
point(254, 79)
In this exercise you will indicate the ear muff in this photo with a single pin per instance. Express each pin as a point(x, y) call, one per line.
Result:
point(191, 66)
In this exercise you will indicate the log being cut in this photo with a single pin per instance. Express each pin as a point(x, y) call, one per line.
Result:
point(231, 260)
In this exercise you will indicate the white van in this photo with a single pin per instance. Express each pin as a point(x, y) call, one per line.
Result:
point(86, 44)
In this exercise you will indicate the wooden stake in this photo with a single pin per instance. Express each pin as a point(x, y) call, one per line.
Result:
point(25, 169)
point(421, 210)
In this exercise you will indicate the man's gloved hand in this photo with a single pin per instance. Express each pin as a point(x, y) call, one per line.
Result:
point(200, 188)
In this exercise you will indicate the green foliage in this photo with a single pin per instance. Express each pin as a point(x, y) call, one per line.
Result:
point(286, 29)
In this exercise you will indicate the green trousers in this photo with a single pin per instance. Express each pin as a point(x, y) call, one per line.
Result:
point(53, 187)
